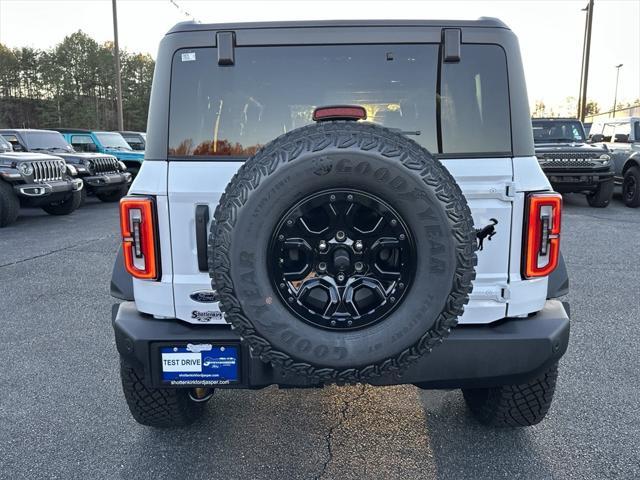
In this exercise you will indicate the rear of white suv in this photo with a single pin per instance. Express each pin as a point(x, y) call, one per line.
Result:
point(452, 94)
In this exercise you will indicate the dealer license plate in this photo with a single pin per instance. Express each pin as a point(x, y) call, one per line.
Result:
point(199, 364)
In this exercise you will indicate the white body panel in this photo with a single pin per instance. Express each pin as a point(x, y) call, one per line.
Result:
point(485, 184)
point(192, 184)
point(494, 188)
point(156, 298)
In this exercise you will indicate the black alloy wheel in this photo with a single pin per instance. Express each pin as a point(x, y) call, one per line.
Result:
point(341, 259)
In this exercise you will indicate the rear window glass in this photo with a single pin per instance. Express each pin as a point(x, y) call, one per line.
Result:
point(474, 103)
point(232, 111)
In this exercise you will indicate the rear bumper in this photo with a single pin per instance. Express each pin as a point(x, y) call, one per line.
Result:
point(509, 352)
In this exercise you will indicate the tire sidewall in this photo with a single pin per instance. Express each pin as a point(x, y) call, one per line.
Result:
point(399, 186)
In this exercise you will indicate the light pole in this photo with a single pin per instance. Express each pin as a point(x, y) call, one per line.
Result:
point(586, 50)
point(615, 95)
point(116, 54)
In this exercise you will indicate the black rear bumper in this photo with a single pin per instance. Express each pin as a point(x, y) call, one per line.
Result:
point(508, 352)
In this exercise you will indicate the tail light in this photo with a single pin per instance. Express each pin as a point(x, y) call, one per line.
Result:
point(138, 226)
point(542, 241)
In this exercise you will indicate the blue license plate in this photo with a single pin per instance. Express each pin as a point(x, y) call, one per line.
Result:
point(199, 364)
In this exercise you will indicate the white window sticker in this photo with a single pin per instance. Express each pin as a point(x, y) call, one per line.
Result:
point(182, 362)
point(189, 57)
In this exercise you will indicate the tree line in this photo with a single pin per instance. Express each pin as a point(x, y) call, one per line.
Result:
point(73, 85)
point(570, 106)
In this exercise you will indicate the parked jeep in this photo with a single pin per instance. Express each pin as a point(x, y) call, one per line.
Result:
point(103, 175)
point(323, 203)
point(35, 180)
point(136, 140)
point(110, 143)
point(622, 137)
point(572, 165)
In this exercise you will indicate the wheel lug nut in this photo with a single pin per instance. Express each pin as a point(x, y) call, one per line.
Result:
point(358, 245)
point(402, 236)
point(340, 236)
point(289, 222)
point(280, 237)
point(392, 299)
point(350, 197)
point(332, 198)
point(290, 299)
point(322, 245)
point(401, 285)
point(393, 222)
point(322, 266)
point(341, 277)
point(282, 285)
point(349, 323)
point(333, 323)
point(359, 266)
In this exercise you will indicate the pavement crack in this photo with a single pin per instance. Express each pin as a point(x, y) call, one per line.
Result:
point(342, 418)
point(69, 247)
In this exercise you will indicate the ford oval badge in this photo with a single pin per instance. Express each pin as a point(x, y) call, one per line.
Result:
point(204, 296)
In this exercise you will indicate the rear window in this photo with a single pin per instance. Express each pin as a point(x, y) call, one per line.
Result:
point(232, 111)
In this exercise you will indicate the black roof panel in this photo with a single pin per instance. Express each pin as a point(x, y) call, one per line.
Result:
point(483, 22)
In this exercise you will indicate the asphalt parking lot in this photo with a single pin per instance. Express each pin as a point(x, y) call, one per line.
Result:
point(62, 413)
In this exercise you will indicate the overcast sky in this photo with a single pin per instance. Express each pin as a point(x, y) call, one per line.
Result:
point(550, 31)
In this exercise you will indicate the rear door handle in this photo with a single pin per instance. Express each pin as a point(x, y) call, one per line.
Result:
point(202, 221)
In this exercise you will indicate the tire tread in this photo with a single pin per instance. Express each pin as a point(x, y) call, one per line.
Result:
point(520, 405)
point(315, 138)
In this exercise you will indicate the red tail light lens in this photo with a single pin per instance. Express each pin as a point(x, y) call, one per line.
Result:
point(137, 223)
point(542, 241)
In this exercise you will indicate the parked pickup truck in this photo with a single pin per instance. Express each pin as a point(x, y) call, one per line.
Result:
point(35, 180)
point(572, 165)
point(622, 137)
point(104, 142)
point(103, 175)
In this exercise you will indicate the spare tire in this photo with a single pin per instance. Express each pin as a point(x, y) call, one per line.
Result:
point(342, 251)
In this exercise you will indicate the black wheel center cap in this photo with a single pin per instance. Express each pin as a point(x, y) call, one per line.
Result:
point(342, 260)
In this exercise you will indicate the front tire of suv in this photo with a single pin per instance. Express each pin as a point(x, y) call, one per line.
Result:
point(602, 196)
point(157, 407)
point(9, 205)
point(519, 405)
point(65, 207)
point(631, 187)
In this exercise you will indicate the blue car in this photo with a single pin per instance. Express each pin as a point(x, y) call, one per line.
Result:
point(104, 142)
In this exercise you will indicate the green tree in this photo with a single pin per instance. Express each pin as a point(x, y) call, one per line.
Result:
point(72, 84)
point(591, 108)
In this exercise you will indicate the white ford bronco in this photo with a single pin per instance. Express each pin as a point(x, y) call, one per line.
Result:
point(336, 203)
